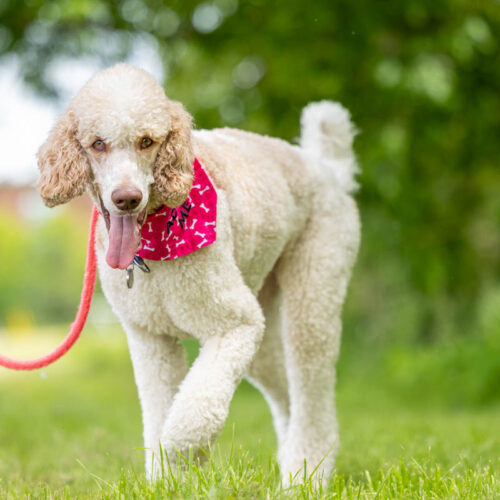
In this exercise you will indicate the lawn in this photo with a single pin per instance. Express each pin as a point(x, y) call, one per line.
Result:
point(73, 430)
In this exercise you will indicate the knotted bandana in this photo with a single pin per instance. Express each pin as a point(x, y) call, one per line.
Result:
point(170, 233)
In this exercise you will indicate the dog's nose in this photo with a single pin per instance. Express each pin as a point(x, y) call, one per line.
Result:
point(126, 198)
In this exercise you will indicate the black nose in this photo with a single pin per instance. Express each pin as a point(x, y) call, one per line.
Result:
point(126, 198)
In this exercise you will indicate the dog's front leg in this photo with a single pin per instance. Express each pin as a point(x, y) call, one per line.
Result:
point(202, 404)
point(159, 366)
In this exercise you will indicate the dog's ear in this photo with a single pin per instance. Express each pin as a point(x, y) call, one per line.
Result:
point(173, 169)
point(64, 168)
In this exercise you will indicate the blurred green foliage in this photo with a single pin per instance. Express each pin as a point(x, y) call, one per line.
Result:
point(41, 272)
point(421, 79)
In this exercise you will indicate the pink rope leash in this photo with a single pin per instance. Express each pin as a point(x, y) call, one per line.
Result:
point(81, 315)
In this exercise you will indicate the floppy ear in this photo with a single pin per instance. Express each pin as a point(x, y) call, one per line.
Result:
point(173, 169)
point(64, 168)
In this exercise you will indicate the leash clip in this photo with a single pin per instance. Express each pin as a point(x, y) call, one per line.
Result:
point(129, 276)
point(139, 262)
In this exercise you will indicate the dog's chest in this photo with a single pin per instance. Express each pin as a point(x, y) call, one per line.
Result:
point(145, 305)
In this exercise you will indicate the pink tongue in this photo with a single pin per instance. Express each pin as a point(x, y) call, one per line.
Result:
point(124, 240)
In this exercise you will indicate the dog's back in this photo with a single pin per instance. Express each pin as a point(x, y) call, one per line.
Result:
point(273, 186)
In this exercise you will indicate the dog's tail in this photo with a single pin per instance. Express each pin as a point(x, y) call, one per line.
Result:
point(327, 133)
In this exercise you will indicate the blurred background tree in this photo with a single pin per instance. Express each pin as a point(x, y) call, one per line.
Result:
point(421, 79)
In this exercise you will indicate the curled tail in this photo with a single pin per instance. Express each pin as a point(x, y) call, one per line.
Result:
point(327, 133)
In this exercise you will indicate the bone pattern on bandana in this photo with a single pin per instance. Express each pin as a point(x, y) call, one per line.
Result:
point(170, 233)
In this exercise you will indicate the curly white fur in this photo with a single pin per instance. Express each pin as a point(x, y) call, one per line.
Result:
point(264, 300)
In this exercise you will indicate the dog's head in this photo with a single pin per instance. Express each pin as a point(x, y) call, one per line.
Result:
point(125, 142)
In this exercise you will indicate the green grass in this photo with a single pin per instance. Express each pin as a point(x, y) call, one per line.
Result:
point(74, 431)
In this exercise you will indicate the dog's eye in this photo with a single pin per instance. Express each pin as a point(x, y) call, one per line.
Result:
point(99, 145)
point(146, 143)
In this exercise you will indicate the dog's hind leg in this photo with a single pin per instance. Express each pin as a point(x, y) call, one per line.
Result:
point(267, 371)
point(313, 277)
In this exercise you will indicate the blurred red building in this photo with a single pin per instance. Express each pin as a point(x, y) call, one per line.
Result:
point(23, 202)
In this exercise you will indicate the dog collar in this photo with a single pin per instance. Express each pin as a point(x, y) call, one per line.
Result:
point(170, 233)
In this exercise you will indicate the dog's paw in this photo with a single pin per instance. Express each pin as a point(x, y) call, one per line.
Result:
point(299, 464)
point(171, 459)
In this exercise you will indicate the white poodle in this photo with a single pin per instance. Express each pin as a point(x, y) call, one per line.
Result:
point(264, 300)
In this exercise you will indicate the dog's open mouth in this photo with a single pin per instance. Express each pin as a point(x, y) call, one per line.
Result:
point(124, 236)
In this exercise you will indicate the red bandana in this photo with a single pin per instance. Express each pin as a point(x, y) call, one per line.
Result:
point(173, 232)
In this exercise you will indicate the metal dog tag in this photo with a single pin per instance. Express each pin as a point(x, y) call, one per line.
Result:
point(130, 276)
